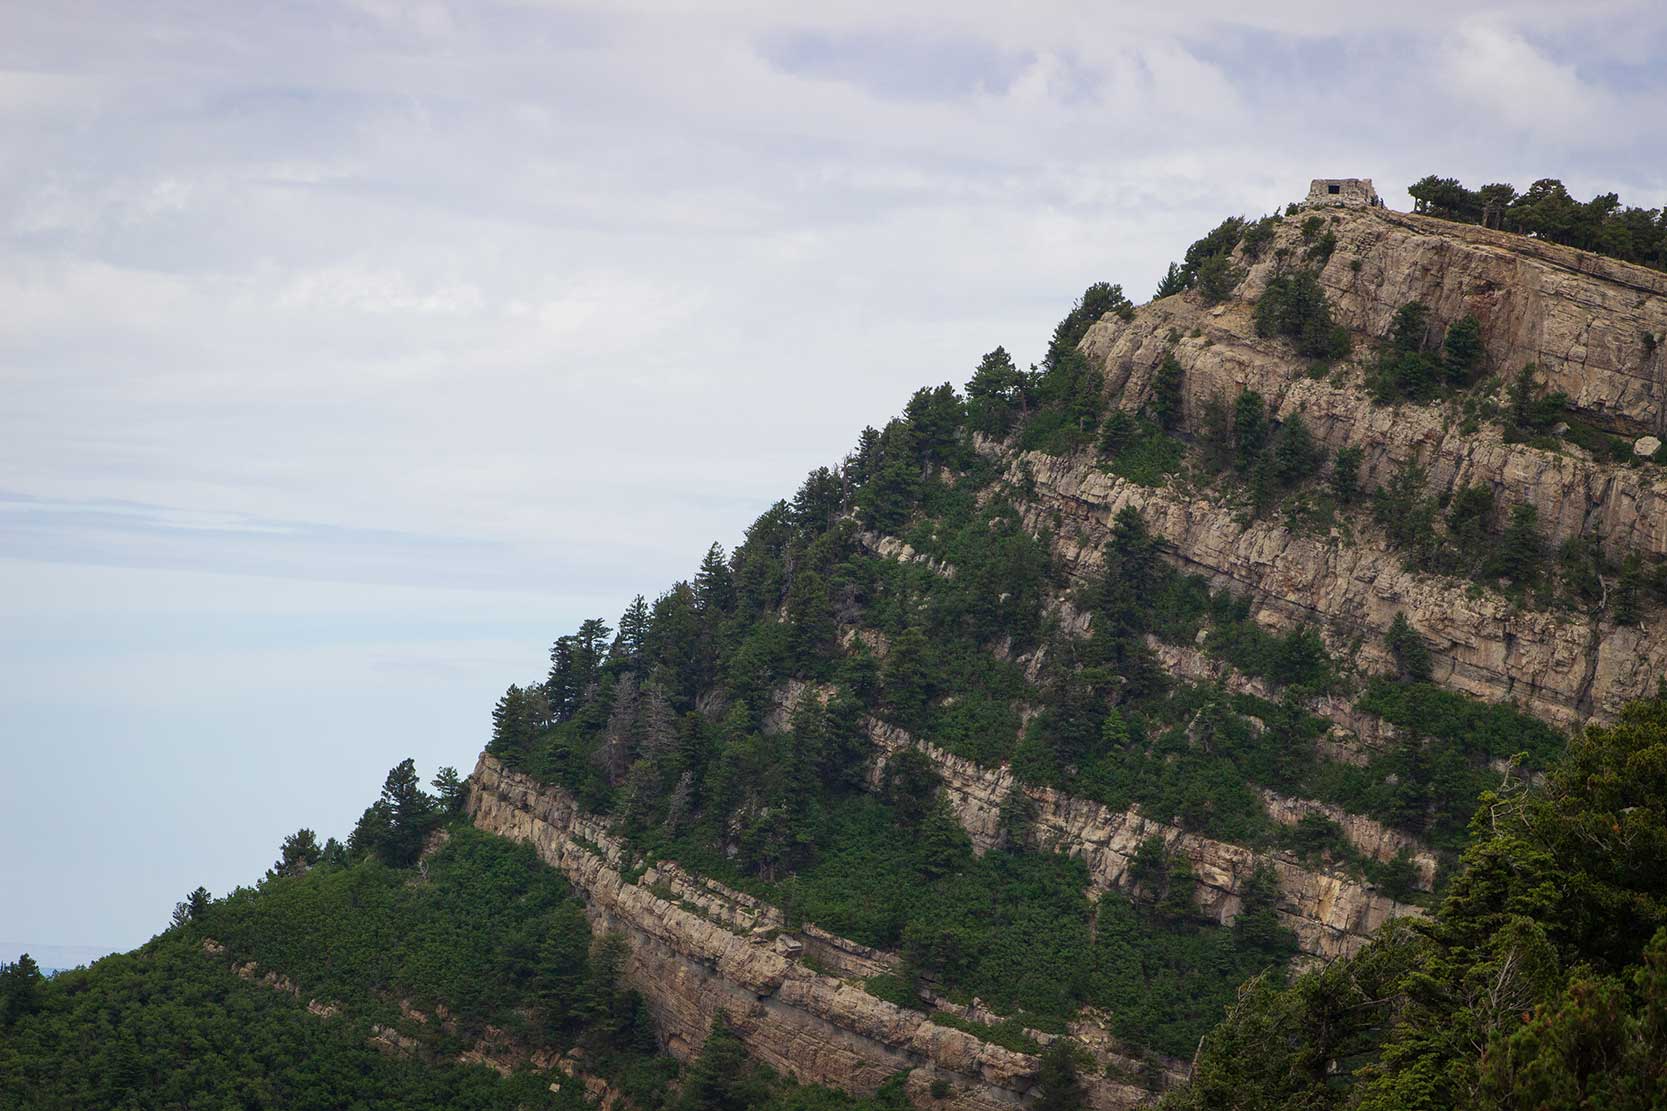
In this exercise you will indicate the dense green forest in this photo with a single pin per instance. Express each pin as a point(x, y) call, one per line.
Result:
point(678, 723)
point(1540, 981)
point(347, 978)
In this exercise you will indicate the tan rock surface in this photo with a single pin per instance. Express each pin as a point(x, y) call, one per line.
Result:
point(690, 965)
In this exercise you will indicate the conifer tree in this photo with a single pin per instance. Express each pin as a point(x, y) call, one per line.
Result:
point(714, 584)
point(299, 852)
point(1059, 1085)
point(1166, 392)
point(633, 630)
point(448, 790)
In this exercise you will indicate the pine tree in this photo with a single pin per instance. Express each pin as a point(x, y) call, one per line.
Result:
point(1408, 648)
point(1295, 454)
point(619, 740)
point(1250, 430)
point(409, 814)
point(656, 725)
point(1059, 1086)
point(818, 501)
point(633, 630)
point(1166, 392)
point(1627, 605)
point(22, 989)
point(299, 852)
point(1462, 350)
point(1521, 548)
point(1174, 281)
point(1345, 474)
point(994, 394)
point(908, 685)
point(448, 790)
point(810, 623)
point(715, 584)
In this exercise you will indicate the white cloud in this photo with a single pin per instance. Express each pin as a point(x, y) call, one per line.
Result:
point(1491, 67)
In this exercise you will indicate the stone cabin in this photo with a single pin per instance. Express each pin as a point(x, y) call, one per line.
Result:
point(1342, 192)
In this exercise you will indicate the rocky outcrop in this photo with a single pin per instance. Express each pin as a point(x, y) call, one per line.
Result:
point(1331, 914)
point(1370, 838)
point(1582, 320)
point(1563, 667)
point(698, 948)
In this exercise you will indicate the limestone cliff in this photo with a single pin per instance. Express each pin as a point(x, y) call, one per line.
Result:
point(1330, 913)
point(1587, 323)
point(698, 948)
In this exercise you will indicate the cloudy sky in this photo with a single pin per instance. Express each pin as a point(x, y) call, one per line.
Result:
point(353, 351)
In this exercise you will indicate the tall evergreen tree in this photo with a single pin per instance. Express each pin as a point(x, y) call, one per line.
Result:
point(633, 630)
point(299, 852)
point(410, 815)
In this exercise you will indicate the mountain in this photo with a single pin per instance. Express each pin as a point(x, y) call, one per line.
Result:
point(986, 769)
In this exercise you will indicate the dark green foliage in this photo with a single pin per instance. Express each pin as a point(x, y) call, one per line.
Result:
point(22, 988)
point(1218, 278)
point(1411, 654)
point(1257, 236)
point(995, 394)
point(1345, 474)
point(1296, 457)
point(1411, 368)
point(449, 791)
point(1294, 306)
point(1066, 393)
point(1406, 368)
point(721, 1078)
point(1096, 301)
point(1528, 411)
point(1167, 393)
point(1139, 450)
point(1173, 281)
point(1250, 430)
point(1547, 211)
point(1217, 244)
point(1541, 980)
point(299, 852)
point(1628, 602)
point(394, 826)
point(1060, 1089)
point(1462, 350)
point(1520, 549)
point(1116, 432)
point(489, 932)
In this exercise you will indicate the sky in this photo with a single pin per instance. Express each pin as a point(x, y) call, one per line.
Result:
point(352, 352)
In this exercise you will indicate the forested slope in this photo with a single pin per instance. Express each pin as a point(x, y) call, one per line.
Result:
point(1096, 687)
point(1070, 712)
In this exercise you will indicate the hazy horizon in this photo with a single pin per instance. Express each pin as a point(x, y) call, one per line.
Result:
point(353, 352)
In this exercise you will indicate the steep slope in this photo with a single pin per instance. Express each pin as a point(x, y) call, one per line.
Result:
point(1585, 323)
point(1236, 604)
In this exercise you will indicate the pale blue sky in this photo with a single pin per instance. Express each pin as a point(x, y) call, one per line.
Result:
point(353, 351)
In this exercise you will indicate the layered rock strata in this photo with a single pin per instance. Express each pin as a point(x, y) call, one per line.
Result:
point(1331, 914)
point(1593, 328)
point(698, 948)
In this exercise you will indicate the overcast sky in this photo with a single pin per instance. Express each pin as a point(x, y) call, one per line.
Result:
point(352, 352)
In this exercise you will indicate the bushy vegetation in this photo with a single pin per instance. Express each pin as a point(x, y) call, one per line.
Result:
point(1294, 307)
point(1541, 980)
point(1547, 211)
point(1414, 366)
point(481, 933)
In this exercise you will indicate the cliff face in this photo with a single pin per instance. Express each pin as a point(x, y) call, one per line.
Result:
point(1585, 322)
point(1331, 915)
point(698, 948)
